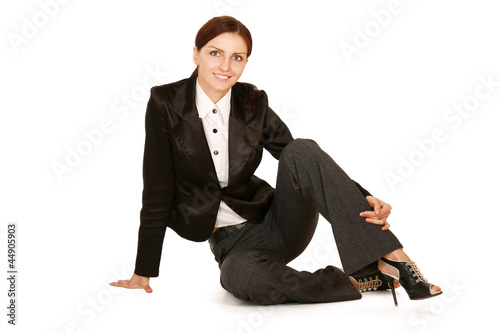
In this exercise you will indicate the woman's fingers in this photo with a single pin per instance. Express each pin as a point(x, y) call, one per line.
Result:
point(373, 216)
point(379, 207)
point(374, 203)
point(127, 284)
point(376, 206)
point(135, 282)
point(380, 213)
point(120, 283)
point(382, 221)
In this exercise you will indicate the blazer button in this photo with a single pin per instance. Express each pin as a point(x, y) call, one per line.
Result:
point(214, 111)
point(215, 130)
point(216, 152)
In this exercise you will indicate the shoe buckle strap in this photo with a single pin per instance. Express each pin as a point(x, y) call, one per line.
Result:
point(369, 284)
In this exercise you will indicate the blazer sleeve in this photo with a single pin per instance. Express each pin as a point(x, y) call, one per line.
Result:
point(158, 191)
point(277, 136)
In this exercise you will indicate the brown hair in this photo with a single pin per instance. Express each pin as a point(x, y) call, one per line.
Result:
point(219, 25)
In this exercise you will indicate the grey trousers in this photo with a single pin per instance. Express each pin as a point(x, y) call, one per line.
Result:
point(253, 260)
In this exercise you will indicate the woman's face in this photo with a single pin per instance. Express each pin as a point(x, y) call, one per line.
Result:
point(220, 64)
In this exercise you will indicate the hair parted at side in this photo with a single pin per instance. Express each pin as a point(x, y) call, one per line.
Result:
point(219, 25)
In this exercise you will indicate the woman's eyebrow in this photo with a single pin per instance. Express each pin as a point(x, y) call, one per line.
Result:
point(222, 51)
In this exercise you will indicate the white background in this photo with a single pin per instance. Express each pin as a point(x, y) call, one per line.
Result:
point(76, 233)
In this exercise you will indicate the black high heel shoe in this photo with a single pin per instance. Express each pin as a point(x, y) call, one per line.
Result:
point(409, 276)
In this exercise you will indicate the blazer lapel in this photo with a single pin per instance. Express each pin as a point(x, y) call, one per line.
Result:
point(242, 136)
point(189, 131)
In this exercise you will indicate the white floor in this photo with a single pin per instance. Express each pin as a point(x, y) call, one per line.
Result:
point(75, 297)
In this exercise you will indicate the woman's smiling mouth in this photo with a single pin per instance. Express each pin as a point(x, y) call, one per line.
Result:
point(221, 77)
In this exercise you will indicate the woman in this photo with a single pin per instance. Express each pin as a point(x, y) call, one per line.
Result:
point(204, 140)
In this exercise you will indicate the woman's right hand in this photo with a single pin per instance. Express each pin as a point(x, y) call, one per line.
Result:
point(135, 282)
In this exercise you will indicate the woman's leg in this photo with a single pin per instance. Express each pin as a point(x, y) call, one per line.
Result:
point(308, 182)
point(308, 178)
point(262, 277)
point(307, 173)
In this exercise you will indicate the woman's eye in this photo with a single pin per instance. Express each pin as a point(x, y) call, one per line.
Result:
point(215, 53)
point(237, 57)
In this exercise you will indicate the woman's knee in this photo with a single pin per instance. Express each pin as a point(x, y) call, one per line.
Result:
point(306, 149)
point(300, 145)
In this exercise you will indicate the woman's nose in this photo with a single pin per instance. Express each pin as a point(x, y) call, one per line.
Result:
point(225, 64)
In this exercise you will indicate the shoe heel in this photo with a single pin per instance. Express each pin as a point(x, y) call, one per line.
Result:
point(390, 279)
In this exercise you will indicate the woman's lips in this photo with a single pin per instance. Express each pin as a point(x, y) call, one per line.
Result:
point(221, 77)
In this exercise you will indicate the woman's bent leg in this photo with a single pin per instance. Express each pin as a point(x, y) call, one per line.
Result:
point(263, 278)
point(309, 179)
point(254, 268)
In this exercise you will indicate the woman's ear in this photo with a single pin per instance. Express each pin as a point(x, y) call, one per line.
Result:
point(195, 55)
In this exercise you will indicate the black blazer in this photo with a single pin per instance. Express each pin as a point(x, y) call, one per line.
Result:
point(181, 189)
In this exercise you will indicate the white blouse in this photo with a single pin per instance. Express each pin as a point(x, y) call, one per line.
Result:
point(215, 120)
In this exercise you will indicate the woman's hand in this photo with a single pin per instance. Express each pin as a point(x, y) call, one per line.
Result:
point(380, 213)
point(135, 282)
